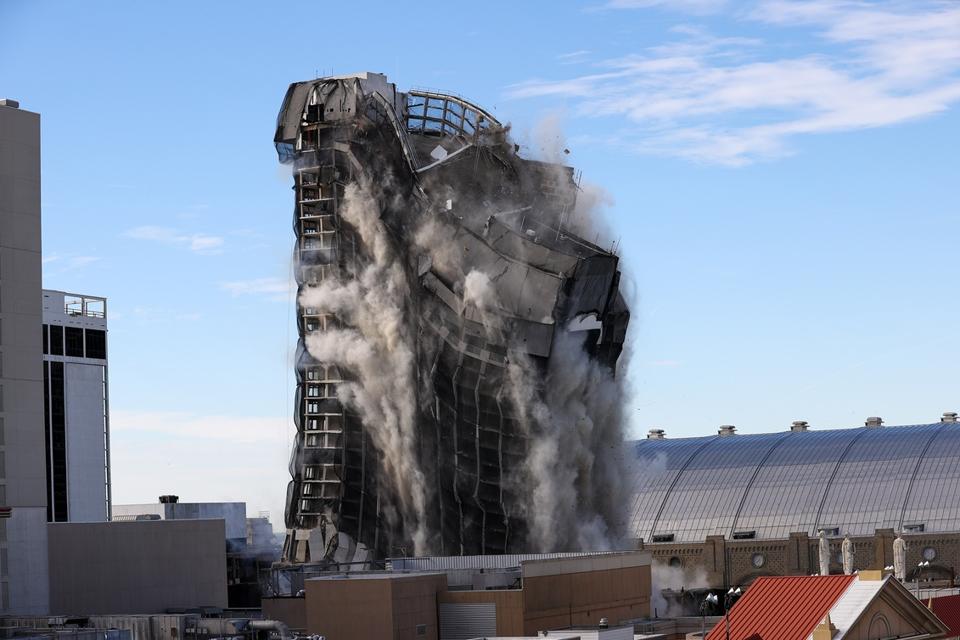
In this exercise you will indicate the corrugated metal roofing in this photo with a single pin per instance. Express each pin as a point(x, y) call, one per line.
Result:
point(508, 561)
point(787, 608)
point(947, 608)
point(853, 480)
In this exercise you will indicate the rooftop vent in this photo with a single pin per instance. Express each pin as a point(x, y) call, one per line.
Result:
point(9, 102)
point(656, 434)
point(874, 421)
point(169, 499)
point(799, 425)
point(949, 416)
point(727, 430)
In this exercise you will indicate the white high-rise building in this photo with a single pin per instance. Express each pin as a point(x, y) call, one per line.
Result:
point(24, 584)
point(76, 416)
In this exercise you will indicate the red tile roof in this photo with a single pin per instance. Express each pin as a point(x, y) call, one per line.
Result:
point(787, 608)
point(947, 608)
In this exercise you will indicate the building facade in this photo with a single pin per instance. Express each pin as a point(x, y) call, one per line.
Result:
point(23, 495)
point(76, 407)
point(137, 567)
point(439, 276)
point(473, 597)
point(730, 508)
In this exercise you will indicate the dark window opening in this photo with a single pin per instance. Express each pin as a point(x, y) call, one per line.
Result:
point(744, 535)
point(315, 113)
point(46, 434)
point(96, 343)
point(58, 442)
point(913, 528)
point(56, 340)
point(663, 537)
point(46, 341)
point(74, 342)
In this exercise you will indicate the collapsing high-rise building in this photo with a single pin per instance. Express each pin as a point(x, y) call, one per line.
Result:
point(458, 338)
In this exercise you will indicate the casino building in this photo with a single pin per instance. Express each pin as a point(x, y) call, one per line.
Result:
point(731, 507)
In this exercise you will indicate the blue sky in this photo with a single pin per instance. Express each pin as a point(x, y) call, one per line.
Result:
point(782, 178)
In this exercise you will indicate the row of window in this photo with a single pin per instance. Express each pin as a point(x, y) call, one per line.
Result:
point(74, 342)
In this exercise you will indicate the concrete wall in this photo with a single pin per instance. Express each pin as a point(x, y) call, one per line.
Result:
point(23, 544)
point(85, 403)
point(614, 587)
point(291, 611)
point(374, 607)
point(136, 567)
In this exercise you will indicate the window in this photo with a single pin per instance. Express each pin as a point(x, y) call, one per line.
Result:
point(421, 629)
point(313, 391)
point(663, 537)
point(46, 346)
point(56, 340)
point(74, 342)
point(96, 343)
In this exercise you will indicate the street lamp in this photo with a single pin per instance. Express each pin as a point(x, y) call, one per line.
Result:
point(727, 601)
point(710, 600)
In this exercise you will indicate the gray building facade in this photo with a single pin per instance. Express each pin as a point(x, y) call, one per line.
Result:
point(76, 407)
point(23, 527)
point(145, 566)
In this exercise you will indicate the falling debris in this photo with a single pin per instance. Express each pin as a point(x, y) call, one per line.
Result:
point(458, 340)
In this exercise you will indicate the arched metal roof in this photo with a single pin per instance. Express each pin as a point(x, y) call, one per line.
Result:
point(770, 485)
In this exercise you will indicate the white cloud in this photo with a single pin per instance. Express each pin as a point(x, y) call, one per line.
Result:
point(68, 262)
point(278, 289)
point(730, 101)
point(573, 57)
point(201, 458)
point(201, 426)
point(196, 242)
point(687, 6)
point(665, 363)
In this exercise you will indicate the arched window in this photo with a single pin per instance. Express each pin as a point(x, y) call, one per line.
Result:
point(879, 627)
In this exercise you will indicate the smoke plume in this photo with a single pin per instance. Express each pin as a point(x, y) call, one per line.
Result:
point(378, 348)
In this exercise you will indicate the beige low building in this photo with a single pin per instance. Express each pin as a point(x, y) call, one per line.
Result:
point(471, 597)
